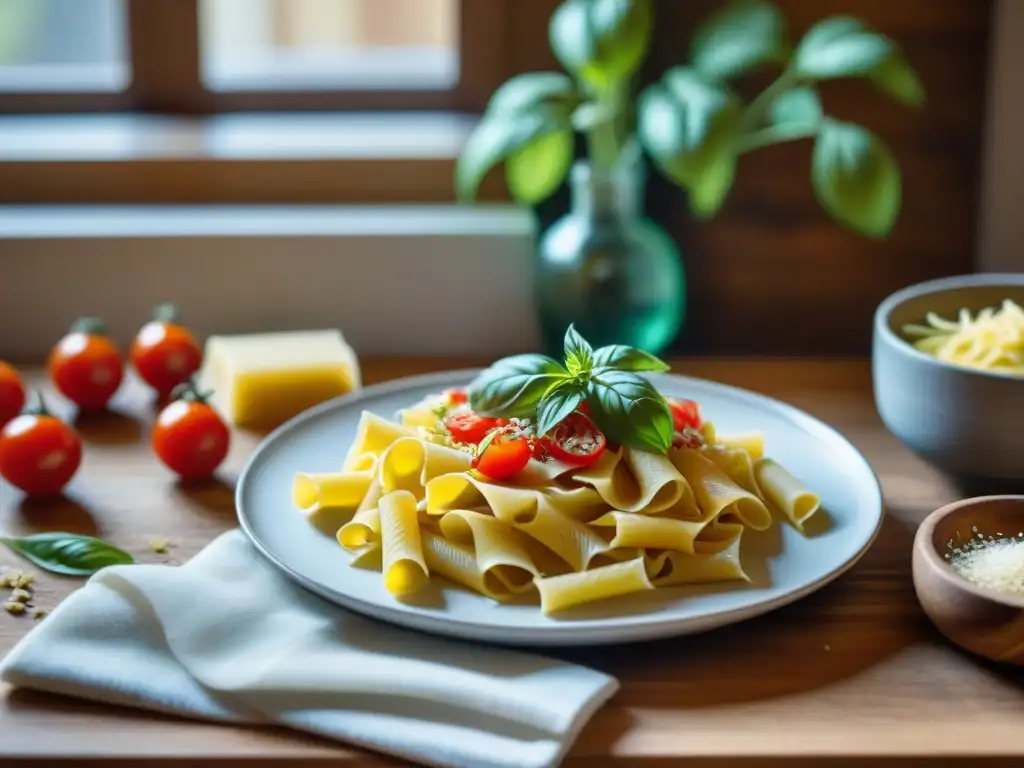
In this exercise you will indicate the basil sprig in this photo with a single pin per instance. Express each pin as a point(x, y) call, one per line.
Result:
point(624, 405)
point(68, 553)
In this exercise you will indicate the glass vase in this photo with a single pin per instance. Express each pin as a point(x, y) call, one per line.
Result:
point(609, 269)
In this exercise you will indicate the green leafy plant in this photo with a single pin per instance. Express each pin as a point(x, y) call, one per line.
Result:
point(68, 553)
point(691, 123)
point(623, 404)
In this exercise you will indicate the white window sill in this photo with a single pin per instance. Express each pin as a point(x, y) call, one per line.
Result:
point(311, 157)
point(398, 280)
point(329, 135)
point(34, 222)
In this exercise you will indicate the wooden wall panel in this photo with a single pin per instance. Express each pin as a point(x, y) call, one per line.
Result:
point(772, 273)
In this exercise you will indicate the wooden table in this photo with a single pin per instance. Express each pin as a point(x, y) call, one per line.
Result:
point(854, 671)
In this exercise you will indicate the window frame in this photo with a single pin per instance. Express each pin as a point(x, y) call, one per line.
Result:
point(164, 52)
point(497, 37)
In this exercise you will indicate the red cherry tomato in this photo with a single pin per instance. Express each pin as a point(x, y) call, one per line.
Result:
point(86, 366)
point(12, 393)
point(576, 441)
point(456, 396)
point(470, 428)
point(504, 457)
point(164, 353)
point(685, 413)
point(189, 437)
point(39, 453)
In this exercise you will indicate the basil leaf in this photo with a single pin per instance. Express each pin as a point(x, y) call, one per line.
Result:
point(486, 442)
point(514, 386)
point(68, 553)
point(798, 106)
point(688, 125)
point(856, 178)
point(738, 38)
point(840, 46)
point(897, 79)
point(578, 352)
point(505, 138)
point(535, 171)
point(630, 411)
point(601, 42)
point(627, 359)
point(557, 404)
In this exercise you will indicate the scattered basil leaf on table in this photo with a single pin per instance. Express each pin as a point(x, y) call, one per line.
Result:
point(68, 553)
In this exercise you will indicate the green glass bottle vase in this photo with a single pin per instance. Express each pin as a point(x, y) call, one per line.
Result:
point(607, 268)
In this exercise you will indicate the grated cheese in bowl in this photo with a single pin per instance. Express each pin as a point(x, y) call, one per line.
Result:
point(993, 563)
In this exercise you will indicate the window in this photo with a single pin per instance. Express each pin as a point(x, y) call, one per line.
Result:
point(61, 45)
point(205, 56)
point(196, 86)
point(254, 45)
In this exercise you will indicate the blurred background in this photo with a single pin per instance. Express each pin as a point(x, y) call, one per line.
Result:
point(288, 163)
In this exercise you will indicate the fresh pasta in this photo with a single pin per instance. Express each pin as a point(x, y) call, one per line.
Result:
point(412, 500)
point(993, 340)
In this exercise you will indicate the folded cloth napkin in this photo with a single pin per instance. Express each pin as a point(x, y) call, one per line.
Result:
point(226, 637)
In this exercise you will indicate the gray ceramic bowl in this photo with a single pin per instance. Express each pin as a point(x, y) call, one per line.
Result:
point(968, 423)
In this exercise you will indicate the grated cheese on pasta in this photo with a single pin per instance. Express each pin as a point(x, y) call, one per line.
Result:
point(991, 341)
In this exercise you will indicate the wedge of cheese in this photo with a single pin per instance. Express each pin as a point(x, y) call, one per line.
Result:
point(261, 380)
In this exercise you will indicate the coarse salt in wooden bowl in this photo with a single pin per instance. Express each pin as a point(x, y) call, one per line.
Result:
point(968, 566)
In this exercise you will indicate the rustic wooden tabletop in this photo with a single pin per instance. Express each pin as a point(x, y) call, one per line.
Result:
point(853, 672)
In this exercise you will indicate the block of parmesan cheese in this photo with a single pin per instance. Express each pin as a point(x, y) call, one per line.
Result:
point(261, 380)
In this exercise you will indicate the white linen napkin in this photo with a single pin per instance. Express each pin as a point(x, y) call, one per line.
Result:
point(226, 637)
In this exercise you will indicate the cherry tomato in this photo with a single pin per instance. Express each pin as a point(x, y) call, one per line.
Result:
point(189, 436)
point(39, 453)
point(456, 396)
point(164, 353)
point(685, 413)
point(576, 440)
point(470, 428)
point(12, 393)
point(86, 366)
point(504, 457)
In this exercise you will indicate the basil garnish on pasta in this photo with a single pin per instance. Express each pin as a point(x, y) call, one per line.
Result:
point(514, 386)
point(624, 405)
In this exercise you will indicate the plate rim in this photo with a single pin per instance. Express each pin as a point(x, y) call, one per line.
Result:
point(569, 634)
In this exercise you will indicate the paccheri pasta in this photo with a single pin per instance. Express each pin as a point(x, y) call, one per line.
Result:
point(581, 521)
point(993, 340)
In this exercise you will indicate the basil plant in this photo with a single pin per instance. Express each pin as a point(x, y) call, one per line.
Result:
point(691, 123)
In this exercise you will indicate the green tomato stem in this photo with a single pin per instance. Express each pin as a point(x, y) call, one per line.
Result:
point(776, 135)
point(166, 313)
point(90, 325)
point(189, 392)
point(40, 408)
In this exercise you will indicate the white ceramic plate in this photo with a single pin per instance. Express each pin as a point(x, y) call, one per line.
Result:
point(783, 564)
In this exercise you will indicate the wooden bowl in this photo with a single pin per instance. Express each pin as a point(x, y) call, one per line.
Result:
point(983, 621)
